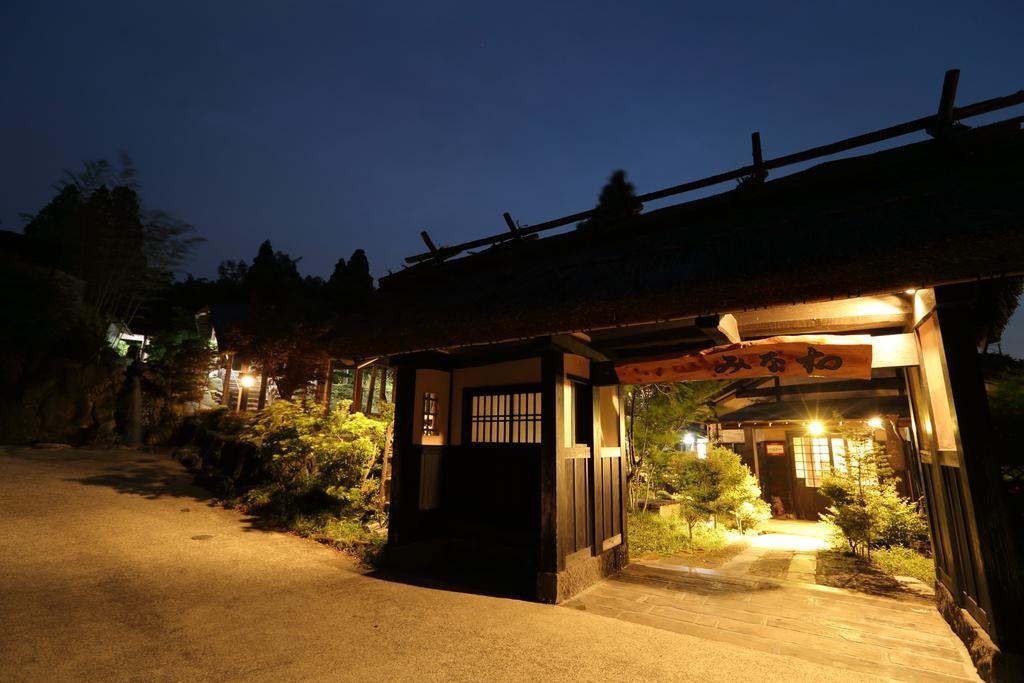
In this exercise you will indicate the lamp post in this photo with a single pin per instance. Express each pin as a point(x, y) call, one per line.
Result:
point(246, 381)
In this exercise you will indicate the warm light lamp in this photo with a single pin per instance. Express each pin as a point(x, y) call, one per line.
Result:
point(815, 428)
point(875, 422)
point(247, 381)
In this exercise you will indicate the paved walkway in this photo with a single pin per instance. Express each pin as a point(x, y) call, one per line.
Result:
point(765, 599)
point(114, 567)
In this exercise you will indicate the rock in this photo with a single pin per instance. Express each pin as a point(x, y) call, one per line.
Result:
point(93, 374)
point(73, 379)
point(38, 390)
point(12, 369)
point(16, 425)
point(56, 416)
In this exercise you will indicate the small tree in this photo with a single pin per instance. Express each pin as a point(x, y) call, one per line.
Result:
point(866, 510)
point(655, 414)
point(719, 485)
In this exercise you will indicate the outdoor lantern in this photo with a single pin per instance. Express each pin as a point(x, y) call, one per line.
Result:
point(247, 381)
point(875, 422)
point(815, 428)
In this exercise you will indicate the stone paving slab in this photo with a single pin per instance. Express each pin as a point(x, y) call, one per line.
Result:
point(899, 640)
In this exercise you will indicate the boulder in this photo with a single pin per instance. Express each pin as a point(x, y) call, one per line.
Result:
point(56, 417)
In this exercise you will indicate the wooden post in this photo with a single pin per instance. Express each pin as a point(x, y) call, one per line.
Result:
point(404, 462)
point(623, 467)
point(553, 485)
point(990, 523)
point(755, 144)
point(430, 245)
point(226, 393)
point(372, 390)
point(328, 384)
point(264, 378)
point(947, 101)
point(944, 122)
point(510, 223)
point(357, 390)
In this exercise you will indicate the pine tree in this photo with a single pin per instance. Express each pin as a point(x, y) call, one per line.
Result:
point(616, 203)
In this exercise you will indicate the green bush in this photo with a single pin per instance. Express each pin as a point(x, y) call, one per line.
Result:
point(866, 511)
point(652, 533)
point(752, 514)
point(901, 522)
point(719, 487)
point(316, 461)
point(343, 533)
point(898, 561)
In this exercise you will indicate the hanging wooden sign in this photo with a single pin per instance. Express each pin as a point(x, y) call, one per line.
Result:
point(847, 357)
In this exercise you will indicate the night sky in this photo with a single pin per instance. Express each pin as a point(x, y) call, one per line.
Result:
point(331, 126)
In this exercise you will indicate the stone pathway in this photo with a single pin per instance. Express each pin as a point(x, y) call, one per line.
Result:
point(766, 599)
point(786, 549)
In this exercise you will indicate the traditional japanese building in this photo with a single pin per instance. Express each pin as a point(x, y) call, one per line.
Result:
point(884, 268)
point(790, 432)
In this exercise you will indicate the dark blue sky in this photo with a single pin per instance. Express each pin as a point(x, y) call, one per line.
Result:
point(331, 126)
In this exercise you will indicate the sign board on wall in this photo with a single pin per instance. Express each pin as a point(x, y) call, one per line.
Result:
point(774, 448)
point(733, 436)
point(847, 357)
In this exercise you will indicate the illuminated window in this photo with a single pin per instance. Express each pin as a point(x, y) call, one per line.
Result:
point(429, 414)
point(812, 459)
point(512, 417)
point(815, 457)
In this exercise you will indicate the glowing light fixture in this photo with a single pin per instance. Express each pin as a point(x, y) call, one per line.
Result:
point(689, 439)
point(910, 291)
point(247, 381)
point(875, 422)
point(815, 428)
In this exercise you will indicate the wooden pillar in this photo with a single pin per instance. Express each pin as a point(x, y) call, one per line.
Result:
point(328, 382)
point(226, 393)
point(623, 467)
point(374, 372)
point(996, 542)
point(357, 390)
point(553, 484)
point(264, 378)
point(404, 462)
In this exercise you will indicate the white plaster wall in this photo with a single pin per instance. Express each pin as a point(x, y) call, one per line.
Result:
point(436, 382)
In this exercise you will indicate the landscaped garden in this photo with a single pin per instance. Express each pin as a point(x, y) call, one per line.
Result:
point(301, 468)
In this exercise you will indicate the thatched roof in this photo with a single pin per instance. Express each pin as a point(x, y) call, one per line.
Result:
point(928, 213)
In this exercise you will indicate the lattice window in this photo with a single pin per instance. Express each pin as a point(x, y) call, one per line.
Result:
point(509, 417)
point(429, 414)
point(812, 459)
point(815, 457)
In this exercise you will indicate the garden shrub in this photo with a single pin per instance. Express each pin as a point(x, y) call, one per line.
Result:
point(899, 561)
point(652, 533)
point(316, 461)
point(866, 511)
point(718, 487)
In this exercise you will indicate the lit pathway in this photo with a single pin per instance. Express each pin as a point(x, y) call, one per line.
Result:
point(764, 599)
point(786, 550)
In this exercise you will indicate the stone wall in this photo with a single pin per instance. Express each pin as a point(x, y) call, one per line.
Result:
point(59, 400)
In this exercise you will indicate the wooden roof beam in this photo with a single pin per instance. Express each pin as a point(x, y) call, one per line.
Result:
point(881, 383)
point(721, 329)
